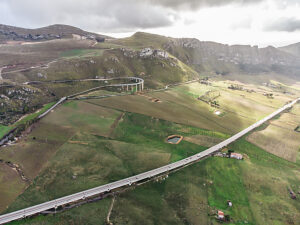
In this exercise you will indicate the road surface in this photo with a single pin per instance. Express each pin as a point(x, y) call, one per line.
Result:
point(130, 180)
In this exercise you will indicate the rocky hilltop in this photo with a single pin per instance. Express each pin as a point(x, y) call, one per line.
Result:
point(10, 33)
point(212, 57)
point(292, 49)
point(237, 54)
point(233, 58)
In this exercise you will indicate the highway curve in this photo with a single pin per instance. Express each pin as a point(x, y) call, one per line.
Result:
point(139, 86)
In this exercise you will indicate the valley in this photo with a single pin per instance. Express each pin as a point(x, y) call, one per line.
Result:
point(201, 91)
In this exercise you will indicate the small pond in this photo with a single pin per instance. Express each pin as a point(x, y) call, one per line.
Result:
point(174, 139)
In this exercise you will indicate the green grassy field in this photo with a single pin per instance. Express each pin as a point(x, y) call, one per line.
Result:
point(5, 129)
point(95, 149)
point(239, 108)
point(94, 142)
point(193, 194)
point(203, 140)
point(141, 40)
point(33, 151)
point(82, 53)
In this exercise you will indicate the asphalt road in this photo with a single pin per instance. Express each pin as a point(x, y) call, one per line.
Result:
point(130, 180)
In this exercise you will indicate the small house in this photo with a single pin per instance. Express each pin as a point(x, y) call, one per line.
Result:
point(221, 215)
point(236, 155)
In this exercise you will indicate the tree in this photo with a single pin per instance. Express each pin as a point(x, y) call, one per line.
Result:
point(229, 152)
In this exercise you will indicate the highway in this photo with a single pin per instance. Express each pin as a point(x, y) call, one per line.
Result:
point(140, 177)
point(139, 81)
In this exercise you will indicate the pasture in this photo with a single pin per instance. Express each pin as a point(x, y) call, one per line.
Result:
point(180, 105)
point(35, 149)
point(11, 185)
point(97, 152)
point(103, 140)
point(193, 194)
point(82, 53)
point(280, 137)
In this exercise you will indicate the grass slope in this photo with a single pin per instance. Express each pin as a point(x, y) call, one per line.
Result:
point(280, 137)
point(91, 157)
point(193, 194)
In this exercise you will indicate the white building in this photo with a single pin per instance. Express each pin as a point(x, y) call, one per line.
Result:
point(236, 155)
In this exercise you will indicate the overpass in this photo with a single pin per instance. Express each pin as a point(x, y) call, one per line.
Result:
point(138, 84)
point(33, 210)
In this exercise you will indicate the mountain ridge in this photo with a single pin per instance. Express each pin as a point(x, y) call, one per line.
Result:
point(223, 59)
point(56, 31)
point(292, 49)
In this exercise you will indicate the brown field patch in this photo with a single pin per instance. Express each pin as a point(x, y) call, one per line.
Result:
point(280, 137)
point(203, 140)
point(33, 152)
point(78, 142)
point(84, 116)
point(177, 108)
point(11, 186)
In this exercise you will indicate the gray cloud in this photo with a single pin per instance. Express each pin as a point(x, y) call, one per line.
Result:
point(113, 15)
point(284, 24)
point(196, 4)
point(97, 15)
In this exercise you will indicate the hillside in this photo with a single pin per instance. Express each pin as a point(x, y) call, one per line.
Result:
point(159, 60)
point(218, 58)
point(292, 49)
point(80, 145)
point(204, 92)
point(57, 31)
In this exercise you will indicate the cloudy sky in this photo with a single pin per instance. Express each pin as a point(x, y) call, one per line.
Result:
point(254, 22)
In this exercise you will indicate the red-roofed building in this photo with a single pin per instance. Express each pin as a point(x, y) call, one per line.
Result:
point(220, 215)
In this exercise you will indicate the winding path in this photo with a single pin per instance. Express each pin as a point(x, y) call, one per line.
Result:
point(140, 177)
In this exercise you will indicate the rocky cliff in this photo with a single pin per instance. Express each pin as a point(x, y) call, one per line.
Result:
point(195, 52)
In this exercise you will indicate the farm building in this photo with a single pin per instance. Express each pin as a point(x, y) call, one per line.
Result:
point(236, 155)
point(220, 215)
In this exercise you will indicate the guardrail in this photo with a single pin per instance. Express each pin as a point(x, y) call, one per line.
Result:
point(130, 180)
